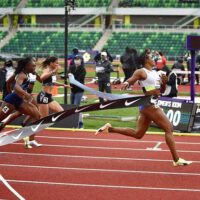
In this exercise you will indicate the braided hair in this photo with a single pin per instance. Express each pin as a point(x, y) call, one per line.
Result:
point(21, 64)
point(48, 60)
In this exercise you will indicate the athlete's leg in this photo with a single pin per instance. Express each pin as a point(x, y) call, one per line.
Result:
point(11, 117)
point(43, 109)
point(160, 119)
point(5, 110)
point(26, 120)
point(30, 109)
point(54, 106)
point(142, 126)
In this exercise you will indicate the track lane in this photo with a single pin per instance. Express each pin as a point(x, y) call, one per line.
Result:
point(116, 163)
point(101, 152)
point(75, 157)
point(64, 192)
point(85, 134)
point(103, 178)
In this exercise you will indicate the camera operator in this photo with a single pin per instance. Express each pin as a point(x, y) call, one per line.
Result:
point(6, 72)
point(103, 70)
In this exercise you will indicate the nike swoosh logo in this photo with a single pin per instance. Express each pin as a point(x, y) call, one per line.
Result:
point(79, 110)
point(36, 128)
point(53, 119)
point(6, 132)
point(105, 105)
point(129, 103)
point(17, 136)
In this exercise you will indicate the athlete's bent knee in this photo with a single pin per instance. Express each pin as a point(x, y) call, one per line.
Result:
point(168, 129)
point(139, 136)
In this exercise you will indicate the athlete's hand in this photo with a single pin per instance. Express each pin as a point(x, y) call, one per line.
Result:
point(125, 85)
point(67, 86)
point(164, 79)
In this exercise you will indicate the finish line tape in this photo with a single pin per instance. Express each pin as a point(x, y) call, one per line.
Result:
point(116, 101)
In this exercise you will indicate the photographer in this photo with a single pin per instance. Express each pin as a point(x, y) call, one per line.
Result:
point(79, 72)
point(6, 72)
point(178, 66)
point(103, 70)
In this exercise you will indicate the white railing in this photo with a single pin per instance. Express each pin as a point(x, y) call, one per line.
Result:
point(115, 27)
point(153, 27)
point(58, 25)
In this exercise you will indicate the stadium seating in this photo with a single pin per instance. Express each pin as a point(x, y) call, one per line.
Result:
point(2, 34)
point(159, 3)
point(9, 3)
point(171, 44)
point(60, 3)
point(42, 43)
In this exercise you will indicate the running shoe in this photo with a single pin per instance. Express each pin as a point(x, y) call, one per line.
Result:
point(34, 143)
point(181, 162)
point(104, 129)
point(26, 143)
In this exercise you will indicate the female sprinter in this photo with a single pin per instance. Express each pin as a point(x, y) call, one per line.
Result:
point(31, 81)
point(153, 85)
point(20, 100)
point(44, 99)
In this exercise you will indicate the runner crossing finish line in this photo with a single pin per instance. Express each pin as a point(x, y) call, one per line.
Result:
point(53, 118)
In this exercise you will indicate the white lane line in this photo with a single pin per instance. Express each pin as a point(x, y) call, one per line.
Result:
point(104, 148)
point(155, 148)
point(11, 188)
point(106, 186)
point(113, 140)
point(95, 139)
point(89, 147)
point(91, 157)
point(101, 170)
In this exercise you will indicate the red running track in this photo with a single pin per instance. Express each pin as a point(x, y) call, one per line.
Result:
point(81, 166)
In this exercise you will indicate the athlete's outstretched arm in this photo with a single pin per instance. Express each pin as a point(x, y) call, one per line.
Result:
point(137, 75)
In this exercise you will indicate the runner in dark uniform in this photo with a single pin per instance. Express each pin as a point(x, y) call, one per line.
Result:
point(28, 87)
point(44, 99)
point(20, 99)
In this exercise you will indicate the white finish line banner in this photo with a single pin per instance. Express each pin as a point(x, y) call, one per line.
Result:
point(53, 118)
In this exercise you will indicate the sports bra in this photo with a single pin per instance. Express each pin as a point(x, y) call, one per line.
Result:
point(151, 82)
point(49, 81)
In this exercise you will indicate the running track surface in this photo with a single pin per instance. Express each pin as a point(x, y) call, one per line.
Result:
point(76, 165)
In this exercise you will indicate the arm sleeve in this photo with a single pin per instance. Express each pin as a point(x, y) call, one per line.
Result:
point(172, 79)
point(81, 76)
